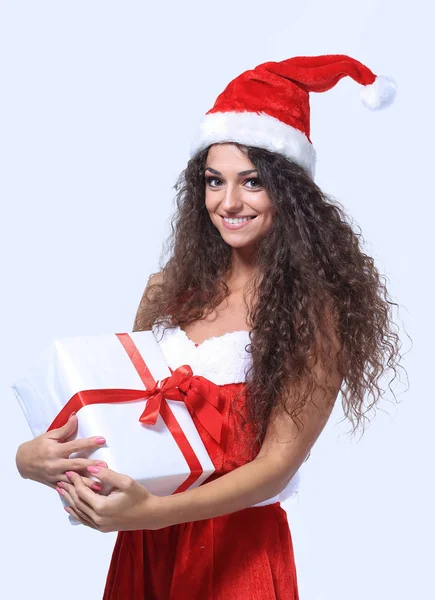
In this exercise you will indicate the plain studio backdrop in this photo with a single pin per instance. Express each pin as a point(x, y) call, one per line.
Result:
point(98, 105)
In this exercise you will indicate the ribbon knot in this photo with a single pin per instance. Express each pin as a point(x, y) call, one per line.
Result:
point(200, 395)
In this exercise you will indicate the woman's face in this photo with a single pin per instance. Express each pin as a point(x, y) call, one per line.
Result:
point(238, 206)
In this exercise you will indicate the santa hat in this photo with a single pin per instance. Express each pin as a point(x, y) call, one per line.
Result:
point(269, 107)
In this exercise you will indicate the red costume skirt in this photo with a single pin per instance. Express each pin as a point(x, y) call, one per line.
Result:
point(246, 555)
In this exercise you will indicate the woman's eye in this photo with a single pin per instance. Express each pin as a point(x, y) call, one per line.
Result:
point(210, 181)
point(255, 181)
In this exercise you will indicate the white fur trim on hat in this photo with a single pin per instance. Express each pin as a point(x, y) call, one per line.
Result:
point(259, 130)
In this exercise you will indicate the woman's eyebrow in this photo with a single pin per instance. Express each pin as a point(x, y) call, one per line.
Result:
point(248, 172)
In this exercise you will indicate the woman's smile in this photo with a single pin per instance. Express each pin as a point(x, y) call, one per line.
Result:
point(237, 222)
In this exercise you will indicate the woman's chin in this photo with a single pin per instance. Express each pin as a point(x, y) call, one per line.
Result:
point(239, 242)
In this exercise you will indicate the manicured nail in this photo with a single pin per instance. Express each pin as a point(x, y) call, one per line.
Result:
point(93, 469)
point(66, 508)
point(60, 484)
point(101, 463)
point(96, 487)
point(68, 474)
point(61, 492)
point(100, 440)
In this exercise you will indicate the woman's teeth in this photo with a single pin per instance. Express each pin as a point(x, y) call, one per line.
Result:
point(238, 220)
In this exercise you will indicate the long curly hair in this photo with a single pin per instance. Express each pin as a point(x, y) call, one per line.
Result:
point(312, 275)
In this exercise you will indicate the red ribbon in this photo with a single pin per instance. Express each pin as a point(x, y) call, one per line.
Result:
point(200, 396)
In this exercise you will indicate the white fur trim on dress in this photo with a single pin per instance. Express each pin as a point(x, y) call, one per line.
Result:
point(221, 360)
point(256, 129)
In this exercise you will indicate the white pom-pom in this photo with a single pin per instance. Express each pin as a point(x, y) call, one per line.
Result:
point(380, 93)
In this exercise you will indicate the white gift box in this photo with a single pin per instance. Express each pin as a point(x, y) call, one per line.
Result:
point(148, 453)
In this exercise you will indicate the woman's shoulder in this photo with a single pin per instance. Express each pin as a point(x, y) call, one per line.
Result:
point(154, 279)
point(222, 359)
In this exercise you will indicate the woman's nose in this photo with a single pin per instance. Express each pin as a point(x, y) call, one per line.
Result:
point(232, 200)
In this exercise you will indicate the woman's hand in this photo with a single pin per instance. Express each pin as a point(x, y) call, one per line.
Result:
point(129, 507)
point(46, 458)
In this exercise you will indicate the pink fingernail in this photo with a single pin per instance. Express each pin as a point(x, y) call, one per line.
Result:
point(60, 484)
point(100, 440)
point(94, 469)
point(68, 474)
point(102, 463)
point(96, 487)
point(66, 508)
point(61, 492)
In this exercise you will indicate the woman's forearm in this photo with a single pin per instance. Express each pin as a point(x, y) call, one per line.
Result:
point(249, 484)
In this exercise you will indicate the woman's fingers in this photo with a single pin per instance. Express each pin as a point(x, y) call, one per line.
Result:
point(77, 464)
point(82, 445)
point(96, 486)
point(64, 432)
point(81, 506)
point(82, 494)
point(81, 519)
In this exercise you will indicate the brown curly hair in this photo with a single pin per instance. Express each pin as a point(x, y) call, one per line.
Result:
point(312, 275)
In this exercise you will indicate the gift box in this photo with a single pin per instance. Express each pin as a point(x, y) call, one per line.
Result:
point(122, 389)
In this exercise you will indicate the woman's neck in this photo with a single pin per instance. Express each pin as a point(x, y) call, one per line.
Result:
point(243, 269)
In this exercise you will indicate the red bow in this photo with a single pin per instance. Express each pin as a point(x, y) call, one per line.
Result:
point(200, 396)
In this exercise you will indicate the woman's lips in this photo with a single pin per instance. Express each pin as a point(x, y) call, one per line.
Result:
point(240, 225)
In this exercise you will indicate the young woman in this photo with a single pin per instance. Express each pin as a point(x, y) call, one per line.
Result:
point(269, 297)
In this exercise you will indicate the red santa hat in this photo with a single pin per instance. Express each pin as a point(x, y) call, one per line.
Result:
point(269, 106)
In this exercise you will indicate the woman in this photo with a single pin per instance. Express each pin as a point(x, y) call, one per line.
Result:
point(268, 296)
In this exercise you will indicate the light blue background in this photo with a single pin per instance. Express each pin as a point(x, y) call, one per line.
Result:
point(98, 104)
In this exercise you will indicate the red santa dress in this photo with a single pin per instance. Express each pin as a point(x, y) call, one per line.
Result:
point(246, 555)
